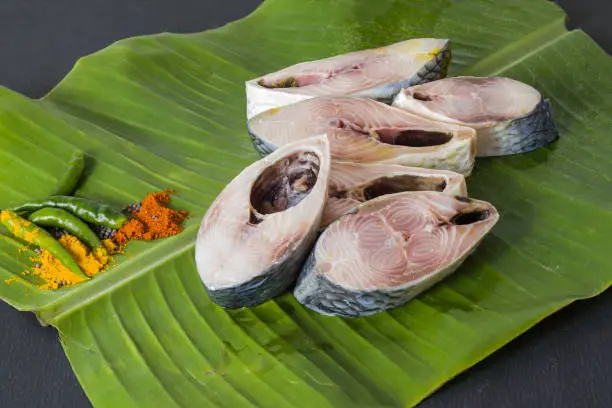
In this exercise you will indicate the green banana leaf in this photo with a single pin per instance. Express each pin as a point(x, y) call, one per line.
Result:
point(168, 110)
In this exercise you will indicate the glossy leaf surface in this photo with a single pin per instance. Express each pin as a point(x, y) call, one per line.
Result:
point(169, 111)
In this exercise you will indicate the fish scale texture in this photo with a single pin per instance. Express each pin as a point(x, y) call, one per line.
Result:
point(435, 69)
point(531, 131)
point(320, 294)
point(262, 147)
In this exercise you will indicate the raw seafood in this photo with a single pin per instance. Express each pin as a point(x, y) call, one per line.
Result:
point(509, 116)
point(255, 237)
point(363, 130)
point(389, 250)
point(353, 183)
point(378, 73)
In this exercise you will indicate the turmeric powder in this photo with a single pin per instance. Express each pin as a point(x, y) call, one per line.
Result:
point(110, 246)
point(56, 274)
point(53, 272)
point(90, 261)
point(152, 220)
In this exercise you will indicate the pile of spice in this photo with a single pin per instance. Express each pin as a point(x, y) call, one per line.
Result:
point(56, 275)
point(74, 238)
point(152, 219)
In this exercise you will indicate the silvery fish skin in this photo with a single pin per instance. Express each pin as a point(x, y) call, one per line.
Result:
point(509, 116)
point(351, 184)
point(391, 249)
point(366, 131)
point(254, 238)
point(378, 73)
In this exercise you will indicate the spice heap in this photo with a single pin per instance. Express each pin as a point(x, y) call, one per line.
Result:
point(152, 220)
point(74, 238)
point(56, 275)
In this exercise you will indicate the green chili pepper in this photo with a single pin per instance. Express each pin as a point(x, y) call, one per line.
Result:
point(30, 233)
point(58, 218)
point(67, 184)
point(91, 211)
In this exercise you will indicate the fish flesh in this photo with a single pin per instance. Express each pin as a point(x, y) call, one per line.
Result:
point(366, 131)
point(351, 184)
point(377, 73)
point(509, 116)
point(254, 238)
point(391, 249)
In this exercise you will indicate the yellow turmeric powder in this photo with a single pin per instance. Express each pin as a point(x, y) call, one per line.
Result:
point(110, 246)
point(90, 262)
point(152, 220)
point(10, 280)
point(56, 275)
point(53, 272)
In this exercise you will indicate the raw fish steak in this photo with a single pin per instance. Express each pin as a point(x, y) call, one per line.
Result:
point(366, 131)
point(254, 238)
point(389, 250)
point(378, 73)
point(509, 116)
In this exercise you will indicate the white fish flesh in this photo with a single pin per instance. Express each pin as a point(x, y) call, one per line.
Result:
point(351, 184)
point(509, 116)
point(378, 73)
point(366, 131)
point(389, 250)
point(254, 238)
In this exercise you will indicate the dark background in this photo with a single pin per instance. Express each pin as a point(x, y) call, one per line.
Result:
point(565, 361)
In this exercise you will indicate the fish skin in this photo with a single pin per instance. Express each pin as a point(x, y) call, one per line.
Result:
point(262, 147)
point(458, 154)
point(530, 132)
point(227, 221)
point(271, 283)
point(435, 69)
point(317, 292)
point(510, 134)
point(260, 98)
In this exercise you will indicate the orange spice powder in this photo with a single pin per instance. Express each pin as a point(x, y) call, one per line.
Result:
point(152, 220)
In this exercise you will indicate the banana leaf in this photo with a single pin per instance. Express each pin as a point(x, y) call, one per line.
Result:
point(168, 110)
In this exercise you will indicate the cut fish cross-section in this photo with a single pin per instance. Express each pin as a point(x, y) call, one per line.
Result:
point(351, 184)
point(366, 131)
point(378, 73)
point(389, 250)
point(510, 117)
point(256, 235)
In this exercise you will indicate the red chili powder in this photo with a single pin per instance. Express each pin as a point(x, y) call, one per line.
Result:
point(152, 220)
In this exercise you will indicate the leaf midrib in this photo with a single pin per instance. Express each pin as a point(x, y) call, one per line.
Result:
point(527, 46)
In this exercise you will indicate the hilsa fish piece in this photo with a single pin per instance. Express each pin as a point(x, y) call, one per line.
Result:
point(510, 117)
point(366, 131)
point(391, 249)
point(377, 73)
point(254, 238)
point(351, 184)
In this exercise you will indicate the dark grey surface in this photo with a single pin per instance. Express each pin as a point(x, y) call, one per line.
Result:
point(565, 361)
